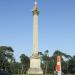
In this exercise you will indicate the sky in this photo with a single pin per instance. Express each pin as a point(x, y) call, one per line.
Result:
point(56, 26)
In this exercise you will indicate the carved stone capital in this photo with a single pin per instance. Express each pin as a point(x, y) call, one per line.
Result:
point(35, 11)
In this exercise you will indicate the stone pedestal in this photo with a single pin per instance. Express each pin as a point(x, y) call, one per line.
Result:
point(35, 66)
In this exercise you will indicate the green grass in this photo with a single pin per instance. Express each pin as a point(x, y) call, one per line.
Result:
point(43, 74)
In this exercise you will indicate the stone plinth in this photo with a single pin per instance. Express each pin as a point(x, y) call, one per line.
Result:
point(35, 66)
point(35, 71)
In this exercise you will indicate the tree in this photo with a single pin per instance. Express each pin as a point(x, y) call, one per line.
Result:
point(63, 63)
point(71, 65)
point(49, 63)
point(6, 54)
point(16, 67)
point(57, 52)
point(25, 62)
point(45, 61)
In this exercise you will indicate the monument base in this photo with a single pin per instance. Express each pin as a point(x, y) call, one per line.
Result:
point(35, 71)
point(35, 64)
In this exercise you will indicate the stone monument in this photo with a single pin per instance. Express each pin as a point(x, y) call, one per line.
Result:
point(35, 62)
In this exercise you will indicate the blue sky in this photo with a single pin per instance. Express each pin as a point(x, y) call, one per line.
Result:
point(56, 25)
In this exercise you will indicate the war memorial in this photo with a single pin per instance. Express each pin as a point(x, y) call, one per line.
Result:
point(35, 62)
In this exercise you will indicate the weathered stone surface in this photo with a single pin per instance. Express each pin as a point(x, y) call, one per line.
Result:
point(35, 71)
point(35, 68)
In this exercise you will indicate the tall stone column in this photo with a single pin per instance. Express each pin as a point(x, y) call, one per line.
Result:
point(35, 62)
point(35, 29)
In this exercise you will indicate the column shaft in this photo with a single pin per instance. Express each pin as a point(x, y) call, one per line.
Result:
point(35, 34)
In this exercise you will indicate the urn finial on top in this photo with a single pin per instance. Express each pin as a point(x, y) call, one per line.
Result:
point(35, 8)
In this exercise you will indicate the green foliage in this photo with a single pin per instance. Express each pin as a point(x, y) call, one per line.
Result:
point(71, 66)
point(48, 63)
point(6, 54)
point(25, 62)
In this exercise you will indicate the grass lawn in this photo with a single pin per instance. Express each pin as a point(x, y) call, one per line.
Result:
point(43, 74)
